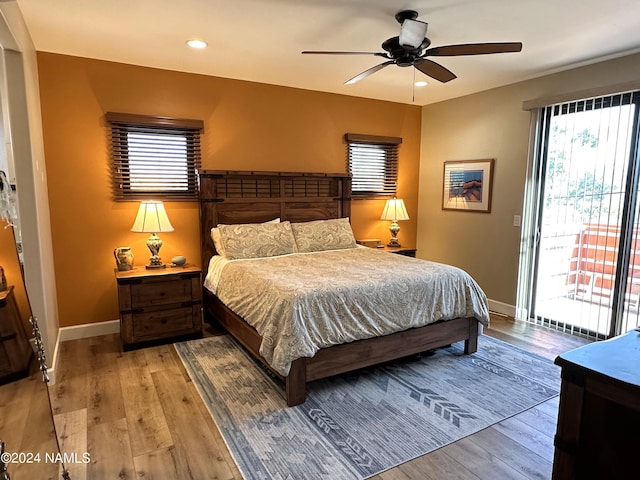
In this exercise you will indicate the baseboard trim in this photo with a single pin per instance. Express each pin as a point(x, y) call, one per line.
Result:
point(88, 330)
point(502, 308)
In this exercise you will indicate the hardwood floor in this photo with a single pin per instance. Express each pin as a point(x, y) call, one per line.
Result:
point(138, 415)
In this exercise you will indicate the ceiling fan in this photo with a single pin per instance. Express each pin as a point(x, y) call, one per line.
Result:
point(411, 48)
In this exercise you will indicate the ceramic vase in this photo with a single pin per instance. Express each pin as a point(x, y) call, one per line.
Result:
point(124, 258)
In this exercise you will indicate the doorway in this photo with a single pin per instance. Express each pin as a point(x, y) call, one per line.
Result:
point(585, 255)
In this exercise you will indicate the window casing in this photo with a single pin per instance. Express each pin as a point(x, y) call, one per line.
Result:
point(373, 164)
point(154, 156)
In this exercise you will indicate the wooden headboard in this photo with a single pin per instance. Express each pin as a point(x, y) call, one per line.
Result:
point(231, 197)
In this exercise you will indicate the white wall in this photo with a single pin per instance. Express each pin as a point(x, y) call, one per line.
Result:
point(23, 130)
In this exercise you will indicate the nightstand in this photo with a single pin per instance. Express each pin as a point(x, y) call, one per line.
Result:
point(159, 305)
point(407, 252)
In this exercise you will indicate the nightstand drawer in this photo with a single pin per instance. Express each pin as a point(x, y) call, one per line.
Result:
point(160, 293)
point(163, 323)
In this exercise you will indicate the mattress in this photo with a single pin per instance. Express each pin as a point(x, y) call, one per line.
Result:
point(302, 302)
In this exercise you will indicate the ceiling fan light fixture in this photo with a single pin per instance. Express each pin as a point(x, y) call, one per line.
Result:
point(412, 33)
point(196, 43)
point(421, 83)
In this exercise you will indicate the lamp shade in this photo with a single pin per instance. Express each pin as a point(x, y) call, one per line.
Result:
point(152, 218)
point(394, 210)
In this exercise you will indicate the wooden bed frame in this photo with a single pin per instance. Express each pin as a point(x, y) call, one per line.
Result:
point(231, 197)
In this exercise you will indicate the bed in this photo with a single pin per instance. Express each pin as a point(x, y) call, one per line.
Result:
point(244, 199)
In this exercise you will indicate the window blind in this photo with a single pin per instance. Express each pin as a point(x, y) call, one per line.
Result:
point(373, 164)
point(154, 156)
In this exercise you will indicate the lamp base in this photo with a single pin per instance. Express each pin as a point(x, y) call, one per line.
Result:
point(153, 267)
point(394, 228)
point(154, 243)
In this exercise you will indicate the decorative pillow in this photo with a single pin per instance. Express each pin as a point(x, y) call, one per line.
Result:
point(257, 240)
point(215, 236)
point(321, 235)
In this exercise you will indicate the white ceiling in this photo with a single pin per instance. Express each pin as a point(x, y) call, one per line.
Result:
point(261, 40)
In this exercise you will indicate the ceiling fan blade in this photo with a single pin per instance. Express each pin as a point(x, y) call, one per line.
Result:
point(473, 49)
point(368, 72)
point(322, 52)
point(434, 70)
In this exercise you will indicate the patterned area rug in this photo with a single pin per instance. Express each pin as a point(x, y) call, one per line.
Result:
point(356, 425)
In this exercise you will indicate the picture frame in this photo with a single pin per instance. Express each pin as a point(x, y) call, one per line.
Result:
point(467, 185)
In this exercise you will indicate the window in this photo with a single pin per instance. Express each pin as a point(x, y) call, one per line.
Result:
point(154, 156)
point(373, 164)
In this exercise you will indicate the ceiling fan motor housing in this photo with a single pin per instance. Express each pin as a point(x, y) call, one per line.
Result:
point(403, 56)
point(406, 61)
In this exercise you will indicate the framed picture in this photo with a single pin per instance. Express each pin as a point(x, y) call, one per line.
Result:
point(467, 185)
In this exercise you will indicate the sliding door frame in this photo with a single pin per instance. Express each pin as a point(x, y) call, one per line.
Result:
point(534, 203)
point(628, 222)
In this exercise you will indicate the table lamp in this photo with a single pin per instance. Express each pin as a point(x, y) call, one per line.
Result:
point(152, 218)
point(394, 210)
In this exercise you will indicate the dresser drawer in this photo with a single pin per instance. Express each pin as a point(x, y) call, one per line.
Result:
point(5, 364)
point(7, 328)
point(15, 350)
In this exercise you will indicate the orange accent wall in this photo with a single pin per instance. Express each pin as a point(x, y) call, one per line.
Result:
point(248, 126)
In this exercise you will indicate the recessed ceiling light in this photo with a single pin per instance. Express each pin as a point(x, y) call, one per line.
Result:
point(421, 84)
point(196, 43)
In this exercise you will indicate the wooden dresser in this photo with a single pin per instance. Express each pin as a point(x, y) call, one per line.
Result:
point(599, 415)
point(15, 351)
point(159, 305)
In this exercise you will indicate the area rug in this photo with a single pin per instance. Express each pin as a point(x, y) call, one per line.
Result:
point(356, 425)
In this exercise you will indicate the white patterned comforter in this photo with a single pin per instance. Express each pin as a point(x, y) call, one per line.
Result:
point(303, 302)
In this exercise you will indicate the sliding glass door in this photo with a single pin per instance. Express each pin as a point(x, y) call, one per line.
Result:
point(586, 246)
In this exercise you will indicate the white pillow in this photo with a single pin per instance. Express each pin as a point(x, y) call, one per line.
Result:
point(215, 236)
point(318, 235)
point(257, 240)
